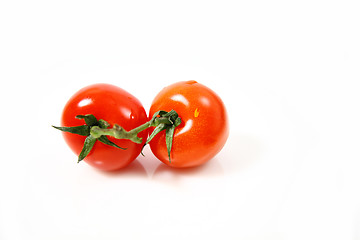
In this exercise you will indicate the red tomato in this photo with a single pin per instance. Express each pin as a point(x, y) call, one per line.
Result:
point(204, 128)
point(113, 105)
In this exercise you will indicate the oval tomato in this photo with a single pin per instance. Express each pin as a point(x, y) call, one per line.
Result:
point(114, 105)
point(204, 128)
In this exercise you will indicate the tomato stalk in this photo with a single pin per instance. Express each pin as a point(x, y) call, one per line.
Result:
point(98, 130)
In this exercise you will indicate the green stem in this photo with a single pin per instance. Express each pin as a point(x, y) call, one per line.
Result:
point(98, 130)
point(116, 132)
point(120, 133)
point(141, 128)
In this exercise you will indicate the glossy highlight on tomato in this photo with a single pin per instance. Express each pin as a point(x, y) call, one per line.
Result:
point(204, 128)
point(114, 105)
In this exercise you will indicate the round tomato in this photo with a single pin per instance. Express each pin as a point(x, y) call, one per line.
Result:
point(113, 105)
point(204, 128)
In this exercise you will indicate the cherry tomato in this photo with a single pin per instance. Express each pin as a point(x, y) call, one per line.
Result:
point(204, 128)
point(114, 105)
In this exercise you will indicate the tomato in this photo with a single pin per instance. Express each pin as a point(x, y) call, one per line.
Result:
point(204, 128)
point(114, 105)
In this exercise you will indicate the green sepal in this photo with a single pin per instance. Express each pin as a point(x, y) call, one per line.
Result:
point(88, 145)
point(142, 150)
point(165, 117)
point(106, 141)
point(160, 113)
point(103, 124)
point(83, 130)
point(177, 122)
point(172, 116)
point(166, 121)
point(90, 119)
point(155, 116)
point(158, 129)
point(169, 136)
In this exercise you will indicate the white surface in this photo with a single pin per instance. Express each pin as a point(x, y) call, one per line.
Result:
point(288, 71)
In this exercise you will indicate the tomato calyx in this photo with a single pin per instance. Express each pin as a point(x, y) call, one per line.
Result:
point(167, 121)
point(99, 130)
point(85, 130)
point(161, 120)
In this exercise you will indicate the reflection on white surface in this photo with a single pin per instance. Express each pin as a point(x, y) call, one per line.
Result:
point(187, 126)
point(84, 102)
point(180, 98)
point(175, 176)
point(356, 224)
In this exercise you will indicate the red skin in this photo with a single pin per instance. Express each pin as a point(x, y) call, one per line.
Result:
point(204, 128)
point(114, 105)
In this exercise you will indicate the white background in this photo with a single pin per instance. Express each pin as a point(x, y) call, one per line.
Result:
point(288, 72)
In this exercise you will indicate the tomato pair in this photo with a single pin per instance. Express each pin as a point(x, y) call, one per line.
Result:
point(193, 119)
